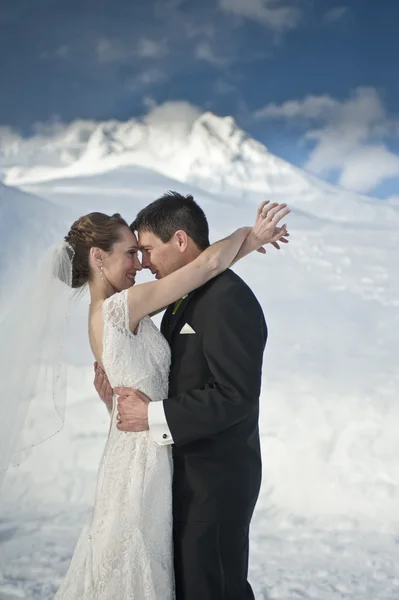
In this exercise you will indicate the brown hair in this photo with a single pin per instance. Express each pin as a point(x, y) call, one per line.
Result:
point(170, 213)
point(95, 230)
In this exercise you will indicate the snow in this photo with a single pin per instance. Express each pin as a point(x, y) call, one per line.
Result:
point(326, 525)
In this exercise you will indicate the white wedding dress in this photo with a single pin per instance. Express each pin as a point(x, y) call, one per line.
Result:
point(125, 550)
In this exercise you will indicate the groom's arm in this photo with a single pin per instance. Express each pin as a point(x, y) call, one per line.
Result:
point(234, 340)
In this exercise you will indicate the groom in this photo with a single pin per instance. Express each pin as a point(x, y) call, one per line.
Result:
point(217, 336)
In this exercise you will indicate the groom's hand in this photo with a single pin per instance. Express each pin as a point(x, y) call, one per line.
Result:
point(283, 239)
point(102, 385)
point(132, 409)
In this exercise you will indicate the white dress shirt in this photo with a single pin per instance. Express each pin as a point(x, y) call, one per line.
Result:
point(159, 429)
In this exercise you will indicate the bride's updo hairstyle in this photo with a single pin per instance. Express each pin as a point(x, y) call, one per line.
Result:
point(95, 230)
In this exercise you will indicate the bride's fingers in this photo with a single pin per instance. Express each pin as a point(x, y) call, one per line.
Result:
point(277, 216)
point(261, 207)
point(270, 208)
point(278, 213)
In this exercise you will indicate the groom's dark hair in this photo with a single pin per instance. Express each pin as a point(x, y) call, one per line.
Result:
point(172, 212)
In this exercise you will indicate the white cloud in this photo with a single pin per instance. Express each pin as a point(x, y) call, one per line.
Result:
point(276, 14)
point(188, 24)
point(149, 102)
point(193, 29)
point(335, 14)
point(110, 50)
point(365, 166)
point(349, 136)
point(151, 76)
point(310, 108)
point(205, 52)
point(176, 117)
point(147, 78)
point(61, 52)
point(148, 48)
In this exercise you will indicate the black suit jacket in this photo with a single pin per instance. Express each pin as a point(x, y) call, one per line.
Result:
point(213, 404)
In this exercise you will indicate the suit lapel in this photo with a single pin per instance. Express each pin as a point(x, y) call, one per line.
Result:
point(166, 321)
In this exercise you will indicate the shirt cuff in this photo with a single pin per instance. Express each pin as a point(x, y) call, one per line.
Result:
point(159, 429)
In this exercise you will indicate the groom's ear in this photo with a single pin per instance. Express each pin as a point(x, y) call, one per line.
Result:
point(182, 240)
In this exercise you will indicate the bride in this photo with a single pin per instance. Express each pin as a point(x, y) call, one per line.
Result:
point(125, 549)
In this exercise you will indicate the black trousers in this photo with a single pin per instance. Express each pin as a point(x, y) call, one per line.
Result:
point(211, 561)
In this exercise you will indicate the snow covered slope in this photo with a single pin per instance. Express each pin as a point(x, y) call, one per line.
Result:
point(331, 300)
point(326, 519)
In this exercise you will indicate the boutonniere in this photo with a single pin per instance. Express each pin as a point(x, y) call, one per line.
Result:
point(177, 304)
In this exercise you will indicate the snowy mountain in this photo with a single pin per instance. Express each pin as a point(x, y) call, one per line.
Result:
point(185, 146)
point(325, 522)
point(177, 141)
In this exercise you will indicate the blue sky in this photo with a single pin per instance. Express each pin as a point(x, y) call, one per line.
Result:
point(315, 80)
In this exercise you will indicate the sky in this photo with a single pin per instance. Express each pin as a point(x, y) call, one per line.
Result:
point(316, 81)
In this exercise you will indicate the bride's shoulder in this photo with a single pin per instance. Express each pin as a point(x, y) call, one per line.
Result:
point(115, 307)
point(116, 311)
point(119, 298)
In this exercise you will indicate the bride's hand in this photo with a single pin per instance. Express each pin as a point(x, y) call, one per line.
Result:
point(265, 230)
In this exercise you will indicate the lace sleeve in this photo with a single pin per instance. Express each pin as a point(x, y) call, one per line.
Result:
point(116, 311)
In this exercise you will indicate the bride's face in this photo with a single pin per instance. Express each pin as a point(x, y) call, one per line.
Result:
point(122, 263)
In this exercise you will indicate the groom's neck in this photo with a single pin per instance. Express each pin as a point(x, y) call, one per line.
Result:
point(191, 253)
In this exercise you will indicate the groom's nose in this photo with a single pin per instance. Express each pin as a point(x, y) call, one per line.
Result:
point(145, 261)
point(138, 266)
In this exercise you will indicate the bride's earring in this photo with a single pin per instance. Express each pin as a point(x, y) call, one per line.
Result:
point(102, 272)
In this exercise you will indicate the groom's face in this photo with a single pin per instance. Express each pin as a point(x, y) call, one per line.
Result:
point(159, 257)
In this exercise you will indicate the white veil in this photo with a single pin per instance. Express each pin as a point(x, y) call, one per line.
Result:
point(33, 335)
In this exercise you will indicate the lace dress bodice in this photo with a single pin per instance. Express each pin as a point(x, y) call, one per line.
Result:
point(140, 360)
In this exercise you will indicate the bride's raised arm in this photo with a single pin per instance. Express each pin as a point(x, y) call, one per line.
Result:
point(147, 298)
